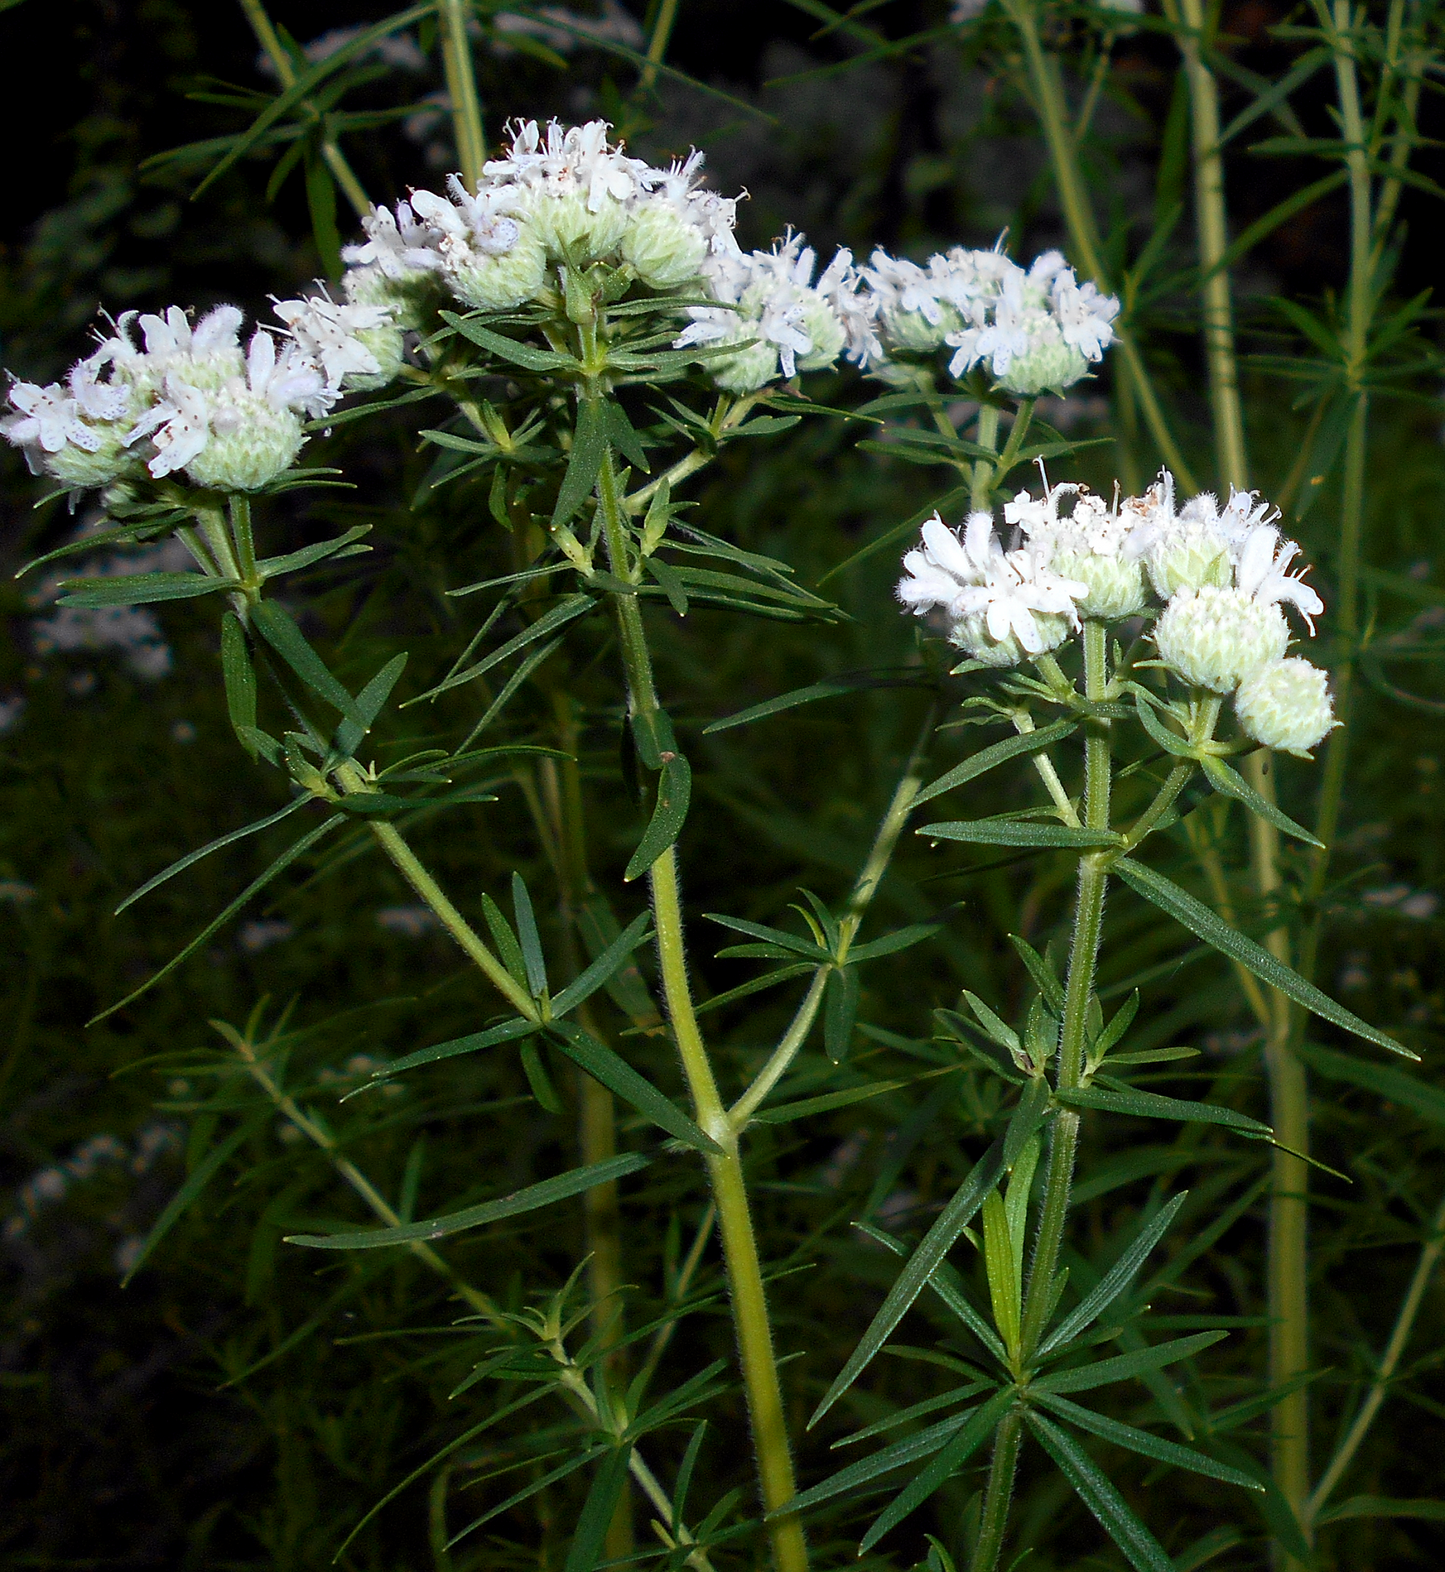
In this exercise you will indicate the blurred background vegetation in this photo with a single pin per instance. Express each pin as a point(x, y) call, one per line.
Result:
point(237, 1407)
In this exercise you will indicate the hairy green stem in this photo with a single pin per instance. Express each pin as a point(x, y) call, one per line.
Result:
point(331, 153)
point(657, 45)
point(776, 1479)
point(981, 488)
point(999, 1492)
point(462, 90)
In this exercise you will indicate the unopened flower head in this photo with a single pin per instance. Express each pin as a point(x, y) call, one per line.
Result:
point(1214, 636)
point(1001, 607)
point(1089, 545)
point(1286, 705)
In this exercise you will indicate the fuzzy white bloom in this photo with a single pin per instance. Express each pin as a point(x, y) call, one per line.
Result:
point(1261, 560)
point(1038, 331)
point(1090, 545)
point(780, 318)
point(1286, 705)
point(356, 346)
point(1001, 606)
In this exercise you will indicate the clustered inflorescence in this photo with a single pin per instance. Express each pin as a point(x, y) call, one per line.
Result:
point(1221, 574)
point(191, 402)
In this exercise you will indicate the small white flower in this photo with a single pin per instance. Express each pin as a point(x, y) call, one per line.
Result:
point(330, 333)
point(1260, 572)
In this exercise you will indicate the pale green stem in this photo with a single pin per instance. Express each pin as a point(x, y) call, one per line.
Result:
point(783, 1055)
point(1023, 724)
point(1048, 94)
point(657, 44)
point(462, 90)
point(994, 1519)
point(1394, 1350)
point(331, 152)
point(776, 1479)
point(982, 487)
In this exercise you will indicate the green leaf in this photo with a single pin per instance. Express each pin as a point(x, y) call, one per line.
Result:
point(1114, 1031)
point(563, 612)
point(1426, 1102)
point(863, 1472)
point(989, 758)
point(1170, 741)
point(840, 1012)
point(1017, 832)
point(273, 567)
point(368, 705)
point(1029, 1116)
point(508, 1031)
point(1207, 925)
point(1045, 978)
point(614, 1072)
point(621, 435)
point(526, 355)
point(597, 1511)
point(533, 961)
point(191, 858)
point(140, 589)
point(922, 1264)
point(975, 1431)
point(1150, 1105)
point(776, 936)
point(538, 1079)
point(672, 583)
point(196, 1181)
point(514, 1205)
point(275, 625)
point(674, 793)
point(1004, 1035)
point(1116, 1279)
point(805, 1107)
point(1125, 1366)
point(239, 677)
point(295, 850)
point(1143, 1551)
point(589, 445)
point(532, 1488)
point(600, 972)
point(1382, 1506)
point(1233, 784)
point(1147, 1445)
point(891, 943)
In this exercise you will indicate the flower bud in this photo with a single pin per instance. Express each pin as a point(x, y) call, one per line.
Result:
point(1115, 583)
point(504, 281)
point(408, 298)
point(1188, 554)
point(1286, 705)
point(824, 330)
point(572, 230)
point(971, 634)
point(912, 331)
point(745, 370)
point(251, 443)
point(1213, 637)
point(1047, 364)
point(663, 249)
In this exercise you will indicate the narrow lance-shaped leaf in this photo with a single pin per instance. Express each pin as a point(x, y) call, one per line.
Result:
point(514, 1205)
point(473, 1042)
point(674, 793)
point(139, 589)
point(1018, 832)
point(934, 1246)
point(368, 706)
point(1147, 1445)
point(239, 678)
point(548, 623)
point(528, 937)
point(519, 354)
point(191, 858)
point(1427, 1102)
point(1233, 784)
point(968, 1440)
point(297, 849)
point(611, 960)
point(1207, 925)
point(1116, 1279)
point(1150, 1105)
point(614, 1072)
point(1000, 752)
point(589, 444)
point(1123, 1367)
point(597, 1511)
point(278, 629)
point(1145, 1553)
point(840, 1012)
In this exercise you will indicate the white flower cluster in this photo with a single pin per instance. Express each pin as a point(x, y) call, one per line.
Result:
point(1036, 329)
point(560, 196)
point(1222, 575)
point(191, 400)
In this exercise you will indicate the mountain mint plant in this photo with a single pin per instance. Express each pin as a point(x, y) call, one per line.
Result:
point(586, 332)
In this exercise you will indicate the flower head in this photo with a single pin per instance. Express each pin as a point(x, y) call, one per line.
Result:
point(1286, 705)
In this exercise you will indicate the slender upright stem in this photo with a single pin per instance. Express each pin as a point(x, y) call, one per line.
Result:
point(1084, 239)
point(657, 45)
point(462, 90)
point(776, 1479)
point(982, 470)
point(331, 153)
point(999, 1492)
point(1430, 1253)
